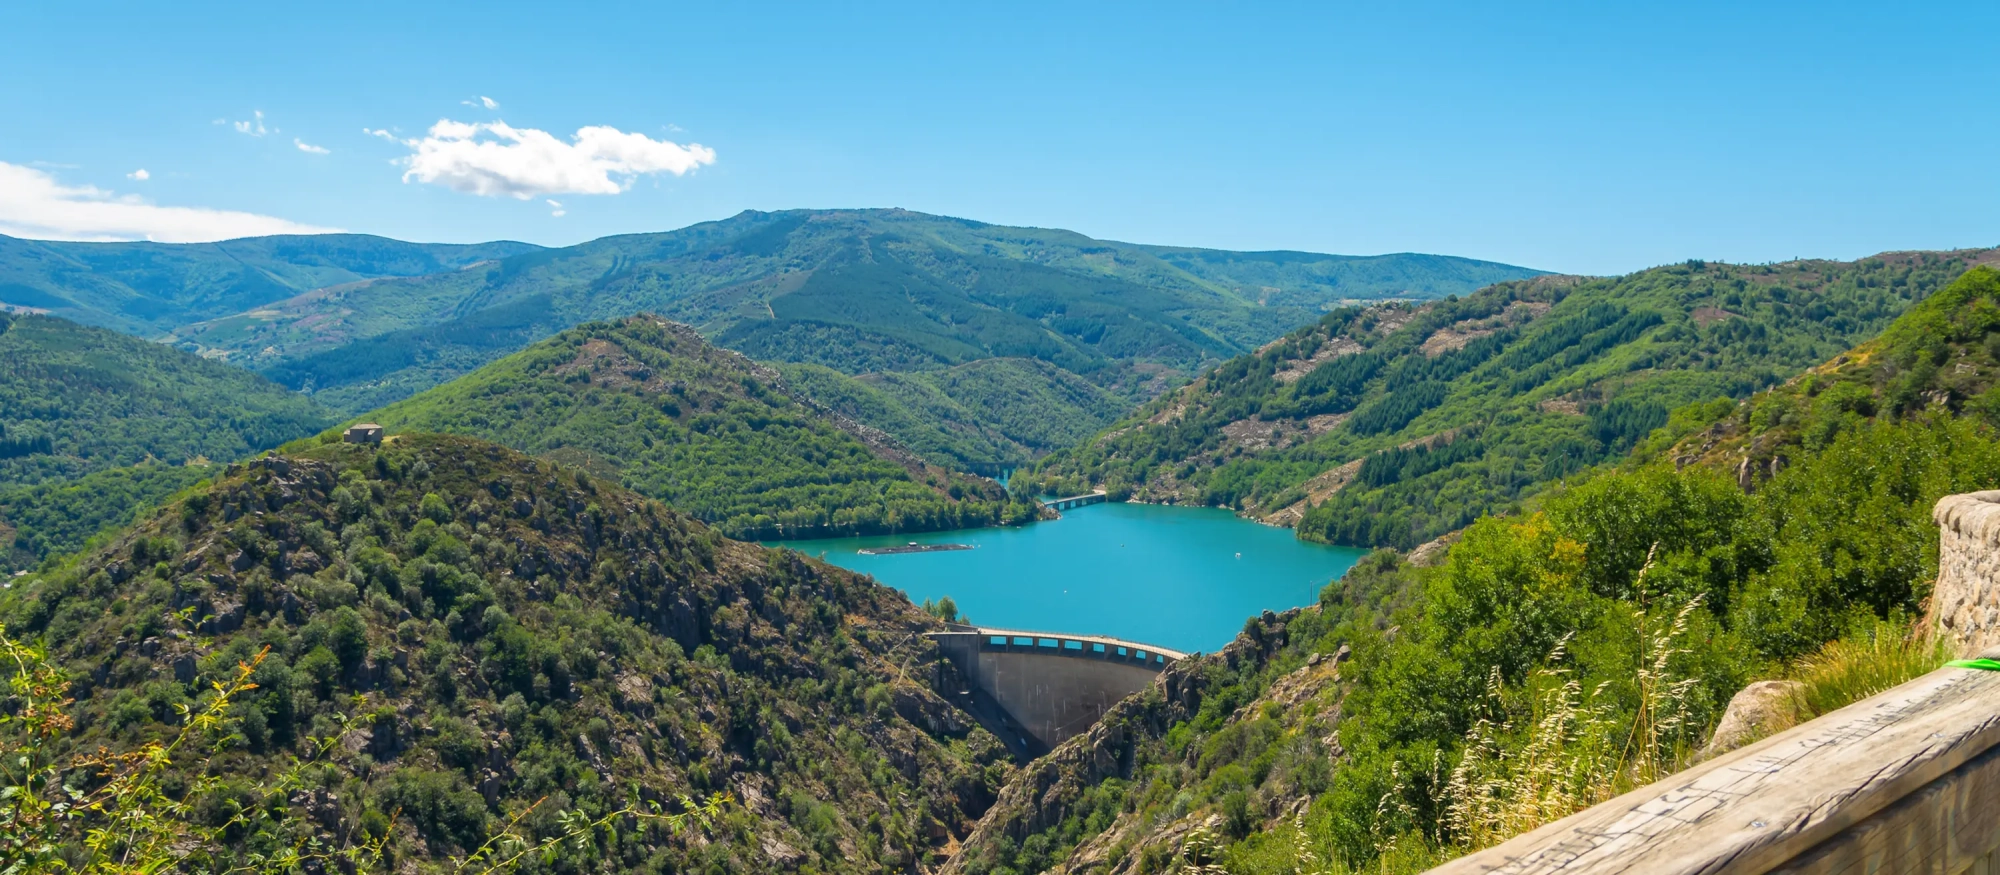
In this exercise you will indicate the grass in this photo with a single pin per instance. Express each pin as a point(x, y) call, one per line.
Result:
point(1575, 755)
point(1886, 654)
point(1575, 750)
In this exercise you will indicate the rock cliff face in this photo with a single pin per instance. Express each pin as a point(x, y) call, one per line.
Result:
point(1966, 602)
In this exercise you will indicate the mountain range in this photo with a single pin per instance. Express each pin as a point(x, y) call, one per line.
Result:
point(361, 321)
point(152, 288)
point(480, 629)
point(970, 346)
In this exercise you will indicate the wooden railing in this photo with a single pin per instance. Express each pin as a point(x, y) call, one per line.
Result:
point(1904, 782)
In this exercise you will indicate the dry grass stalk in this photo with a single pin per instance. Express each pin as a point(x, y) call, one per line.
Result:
point(1571, 755)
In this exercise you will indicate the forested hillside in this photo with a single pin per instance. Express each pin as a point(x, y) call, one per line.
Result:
point(1942, 354)
point(457, 640)
point(151, 288)
point(52, 518)
point(80, 406)
point(706, 430)
point(1395, 424)
point(1309, 279)
point(1556, 657)
point(855, 290)
point(75, 399)
point(984, 416)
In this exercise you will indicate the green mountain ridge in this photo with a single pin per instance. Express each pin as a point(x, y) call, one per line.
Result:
point(1308, 279)
point(454, 598)
point(1394, 424)
point(856, 290)
point(152, 288)
point(706, 430)
point(496, 638)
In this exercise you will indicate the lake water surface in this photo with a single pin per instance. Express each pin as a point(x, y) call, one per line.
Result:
point(1178, 577)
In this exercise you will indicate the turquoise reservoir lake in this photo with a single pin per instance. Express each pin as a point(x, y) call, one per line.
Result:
point(1178, 577)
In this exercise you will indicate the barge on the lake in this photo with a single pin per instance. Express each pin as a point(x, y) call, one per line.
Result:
point(912, 547)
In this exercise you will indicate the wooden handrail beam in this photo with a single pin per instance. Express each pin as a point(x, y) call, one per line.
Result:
point(1804, 800)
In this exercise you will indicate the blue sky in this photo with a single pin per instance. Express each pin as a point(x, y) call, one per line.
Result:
point(1576, 137)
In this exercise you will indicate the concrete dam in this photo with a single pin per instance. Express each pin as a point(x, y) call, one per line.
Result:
point(1035, 689)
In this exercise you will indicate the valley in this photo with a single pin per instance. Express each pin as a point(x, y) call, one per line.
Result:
point(1375, 530)
point(999, 439)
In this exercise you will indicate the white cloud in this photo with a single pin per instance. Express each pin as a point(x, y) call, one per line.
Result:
point(254, 127)
point(379, 133)
point(308, 147)
point(33, 204)
point(558, 211)
point(495, 159)
point(139, 174)
point(483, 102)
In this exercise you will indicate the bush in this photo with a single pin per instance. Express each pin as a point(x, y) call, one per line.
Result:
point(444, 809)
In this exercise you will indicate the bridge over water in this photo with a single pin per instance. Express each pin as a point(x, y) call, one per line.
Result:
point(1035, 689)
point(1075, 501)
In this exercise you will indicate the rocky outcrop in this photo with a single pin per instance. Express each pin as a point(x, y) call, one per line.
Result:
point(1759, 710)
point(1965, 604)
point(1432, 553)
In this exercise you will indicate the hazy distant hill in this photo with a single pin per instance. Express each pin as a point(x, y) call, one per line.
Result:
point(1310, 279)
point(855, 290)
point(705, 430)
point(152, 288)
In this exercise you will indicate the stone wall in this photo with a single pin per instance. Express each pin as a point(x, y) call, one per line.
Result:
point(1966, 603)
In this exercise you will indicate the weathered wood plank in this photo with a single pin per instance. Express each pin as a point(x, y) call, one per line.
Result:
point(1946, 828)
point(1750, 811)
